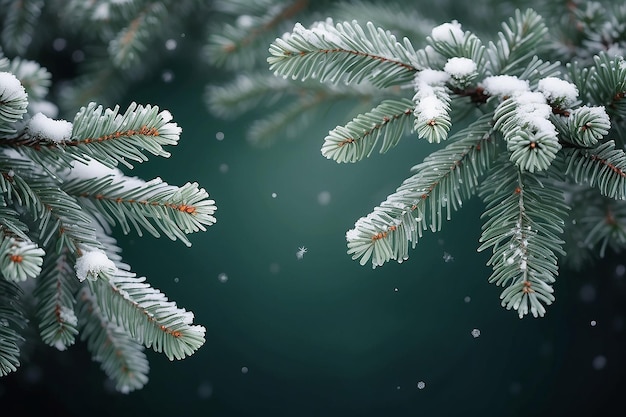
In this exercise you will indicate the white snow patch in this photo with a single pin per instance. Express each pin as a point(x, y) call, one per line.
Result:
point(448, 32)
point(93, 263)
point(43, 127)
point(504, 85)
point(10, 87)
point(558, 91)
point(460, 67)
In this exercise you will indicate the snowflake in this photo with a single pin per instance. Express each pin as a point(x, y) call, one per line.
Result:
point(301, 252)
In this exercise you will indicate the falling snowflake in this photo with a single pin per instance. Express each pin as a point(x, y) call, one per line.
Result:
point(300, 253)
point(421, 385)
point(447, 257)
point(475, 333)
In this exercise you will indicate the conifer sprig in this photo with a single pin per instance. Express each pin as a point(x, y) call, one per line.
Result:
point(534, 125)
point(60, 190)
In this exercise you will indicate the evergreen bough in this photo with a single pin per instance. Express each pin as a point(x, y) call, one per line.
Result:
point(60, 194)
point(537, 135)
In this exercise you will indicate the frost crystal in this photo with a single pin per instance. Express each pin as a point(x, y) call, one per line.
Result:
point(92, 263)
point(43, 127)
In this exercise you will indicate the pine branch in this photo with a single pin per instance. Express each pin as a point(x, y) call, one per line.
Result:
point(526, 216)
point(344, 53)
point(608, 75)
point(56, 213)
point(19, 24)
point(605, 222)
point(152, 205)
point(127, 48)
point(34, 78)
point(111, 136)
point(13, 103)
point(147, 314)
point(11, 315)
point(603, 167)
point(350, 143)
point(440, 184)
point(19, 258)
point(122, 359)
point(233, 46)
point(518, 42)
point(55, 300)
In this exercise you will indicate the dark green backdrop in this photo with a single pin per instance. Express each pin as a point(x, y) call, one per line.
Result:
point(324, 336)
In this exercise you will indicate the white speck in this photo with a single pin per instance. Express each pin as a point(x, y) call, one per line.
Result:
point(274, 195)
point(447, 257)
point(323, 198)
point(167, 76)
point(222, 277)
point(593, 323)
point(244, 370)
point(475, 333)
point(395, 289)
point(599, 362)
point(467, 299)
point(620, 270)
point(245, 21)
point(219, 136)
point(224, 168)
point(171, 44)
point(176, 280)
point(398, 387)
point(78, 56)
point(421, 385)
point(59, 44)
point(300, 253)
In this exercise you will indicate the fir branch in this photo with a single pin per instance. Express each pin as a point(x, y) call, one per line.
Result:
point(13, 103)
point(19, 258)
point(111, 136)
point(153, 205)
point(148, 315)
point(246, 92)
point(121, 358)
point(127, 48)
point(11, 315)
point(356, 140)
point(19, 24)
point(603, 167)
point(55, 300)
point(56, 213)
point(344, 53)
point(34, 78)
point(605, 222)
point(526, 217)
point(440, 184)
point(518, 42)
point(608, 75)
point(233, 45)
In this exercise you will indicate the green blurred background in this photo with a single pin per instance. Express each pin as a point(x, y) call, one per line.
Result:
point(322, 335)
